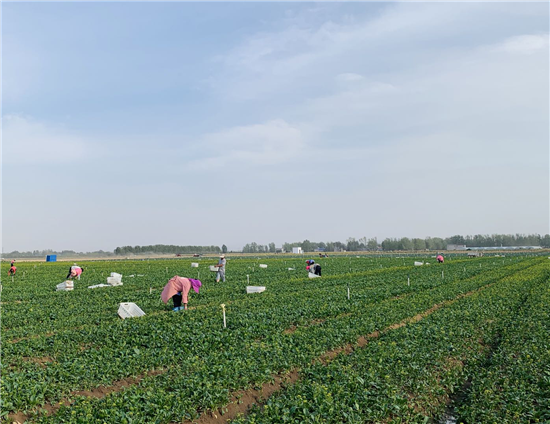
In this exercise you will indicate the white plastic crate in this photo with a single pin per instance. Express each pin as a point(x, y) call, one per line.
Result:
point(64, 286)
point(263, 266)
point(99, 285)
point(255, 289)
point(312, 275)
point(114, 281)
point(213, 268)
point(418, 263)
point(194, 265)
point(129, 310)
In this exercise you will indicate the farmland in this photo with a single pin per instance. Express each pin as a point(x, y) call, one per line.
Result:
point(410, 344)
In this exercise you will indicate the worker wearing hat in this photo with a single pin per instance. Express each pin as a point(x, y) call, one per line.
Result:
point(221, 269)
point(74, 272)
point(177, 289)
point(313, 267)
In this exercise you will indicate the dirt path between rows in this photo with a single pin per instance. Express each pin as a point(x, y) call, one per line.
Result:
point(243, 400)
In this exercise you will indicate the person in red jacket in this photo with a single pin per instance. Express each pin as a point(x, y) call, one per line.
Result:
point(12, 270)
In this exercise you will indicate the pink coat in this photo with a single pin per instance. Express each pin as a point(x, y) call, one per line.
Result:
point(175, 285)
point(76, 271)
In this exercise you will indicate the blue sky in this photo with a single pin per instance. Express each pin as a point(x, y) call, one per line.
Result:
point(227, 123)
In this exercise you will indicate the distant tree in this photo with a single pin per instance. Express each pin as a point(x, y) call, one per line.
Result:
point(372, 244)
point(456, 240)
point(419, 244)
point(224, 248)
point(272, 248)
point(352, 245)
point(308, 246)
point(405, 244)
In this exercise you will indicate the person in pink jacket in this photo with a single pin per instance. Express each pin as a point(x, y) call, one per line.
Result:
point(74, 272)
point(440, 259)
point(178, 289)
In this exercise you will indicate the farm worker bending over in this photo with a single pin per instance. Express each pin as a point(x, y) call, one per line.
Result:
point(313, 267)
point(12, 270)
point(178, 289)
point(221, 269)
point(440, 259)
point(75, 271)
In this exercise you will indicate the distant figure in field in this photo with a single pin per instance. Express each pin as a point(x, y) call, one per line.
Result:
point(440, 259)
point(313, 267)
point(221, 269)
point(74, 272)
point(12, 262)
point(178, 290)
point(12, 270)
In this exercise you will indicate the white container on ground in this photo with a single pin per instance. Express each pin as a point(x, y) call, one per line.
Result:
point(129, 310)
point(194, 265)
point(213, 268)
point(114, 281)
point(263, 266)
point(418, 263)
point(115, 275)
point(65, 286)
point(312, 275)
point(255, 289)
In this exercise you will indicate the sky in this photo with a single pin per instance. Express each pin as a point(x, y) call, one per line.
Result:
point(138, 123)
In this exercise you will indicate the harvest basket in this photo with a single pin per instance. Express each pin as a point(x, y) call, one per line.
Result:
point(129, 310)
point(65, 286)
point(255, 289)
point(213, 268)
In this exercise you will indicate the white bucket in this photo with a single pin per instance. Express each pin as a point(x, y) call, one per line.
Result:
point(129, 310)
point(255, 289)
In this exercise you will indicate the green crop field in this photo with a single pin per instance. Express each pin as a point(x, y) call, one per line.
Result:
point(375, 340)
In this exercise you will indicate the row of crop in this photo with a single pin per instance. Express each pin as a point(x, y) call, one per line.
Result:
point(514, 386)
point(409, 375)
point(304, 300)
point(213, 361)
point(51, 311)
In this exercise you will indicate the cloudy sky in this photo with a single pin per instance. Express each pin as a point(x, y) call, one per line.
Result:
point(228, 123)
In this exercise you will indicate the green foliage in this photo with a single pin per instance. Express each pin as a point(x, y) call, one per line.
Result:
point(57, 343)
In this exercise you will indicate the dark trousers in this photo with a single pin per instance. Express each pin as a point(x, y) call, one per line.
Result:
point(177, 300)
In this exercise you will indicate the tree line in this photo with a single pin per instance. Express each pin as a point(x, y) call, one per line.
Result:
point(165, 248)
point(405, 243)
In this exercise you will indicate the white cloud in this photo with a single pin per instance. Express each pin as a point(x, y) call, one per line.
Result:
point(28, 141)
point(273, 142)
point(349, 77)
point(525, 44)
